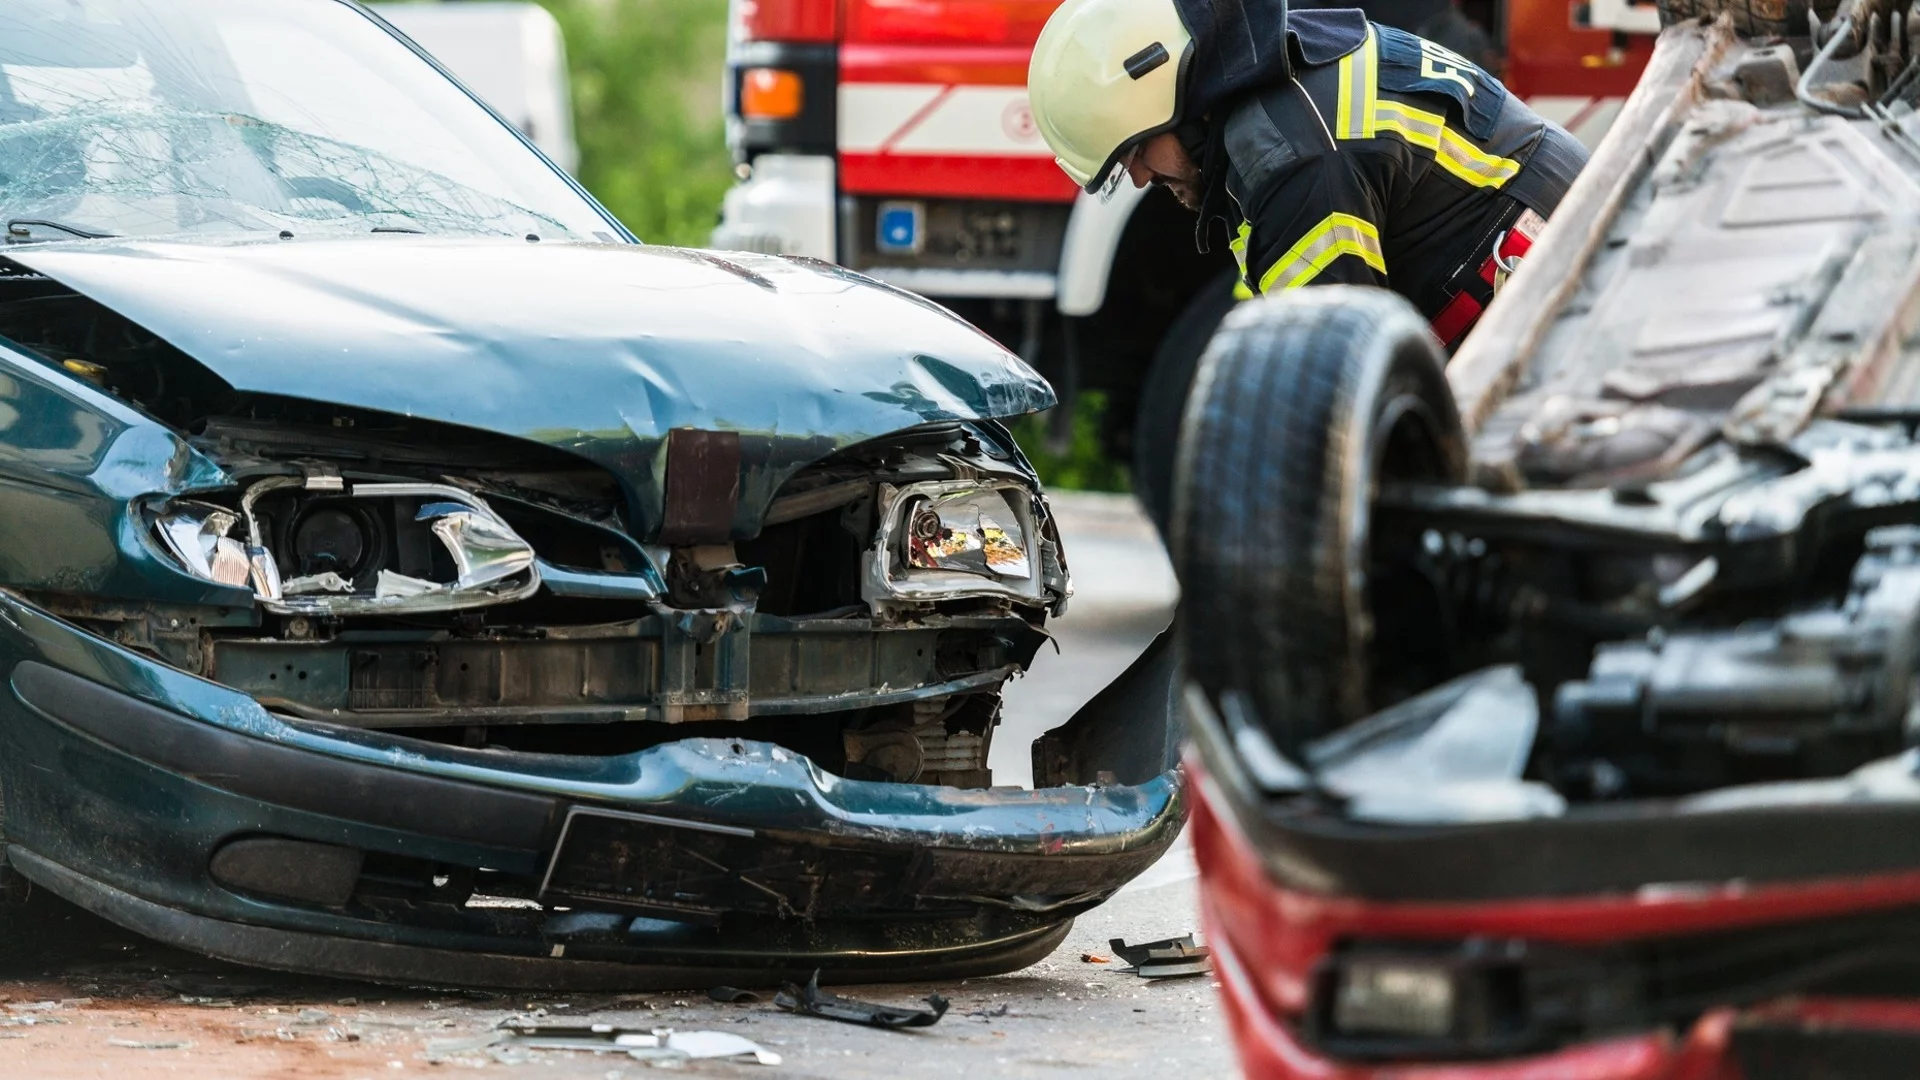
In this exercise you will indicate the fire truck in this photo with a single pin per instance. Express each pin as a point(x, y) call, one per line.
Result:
point(894, 137)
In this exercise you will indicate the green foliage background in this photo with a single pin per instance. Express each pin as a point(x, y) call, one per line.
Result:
point(646, 100)
point(647, 115)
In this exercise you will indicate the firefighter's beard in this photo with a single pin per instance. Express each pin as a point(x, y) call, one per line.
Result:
point(1163, 162)
point(1187, 191)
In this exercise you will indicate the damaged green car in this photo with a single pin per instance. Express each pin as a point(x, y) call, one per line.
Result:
point(404, 574)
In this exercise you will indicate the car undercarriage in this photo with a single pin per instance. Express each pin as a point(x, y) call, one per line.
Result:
point(1564, 691)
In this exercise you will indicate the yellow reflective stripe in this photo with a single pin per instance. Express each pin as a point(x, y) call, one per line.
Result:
point(1451, 150)
point(1359, 90)
point(1337, 235)
point(1238, 245)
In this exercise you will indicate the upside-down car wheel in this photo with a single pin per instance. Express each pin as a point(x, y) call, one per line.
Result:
point(1304, 404)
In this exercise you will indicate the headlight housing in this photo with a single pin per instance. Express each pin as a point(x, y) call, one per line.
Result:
point(481, 559)
point(946, 539)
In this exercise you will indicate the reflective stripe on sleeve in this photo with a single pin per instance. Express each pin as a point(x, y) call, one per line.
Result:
point(1359, 85)
point(1241, 289)
point(1337, 235)
point(1451, 150)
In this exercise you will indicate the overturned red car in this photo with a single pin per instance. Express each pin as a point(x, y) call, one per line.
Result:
point(1553, 710)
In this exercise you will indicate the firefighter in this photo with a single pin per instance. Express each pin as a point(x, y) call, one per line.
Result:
point(1353, 153)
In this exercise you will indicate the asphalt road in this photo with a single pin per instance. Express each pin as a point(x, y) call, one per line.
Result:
point(80, 998)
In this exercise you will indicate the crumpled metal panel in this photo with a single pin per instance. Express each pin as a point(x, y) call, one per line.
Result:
point(72, 461)
point(598, 349)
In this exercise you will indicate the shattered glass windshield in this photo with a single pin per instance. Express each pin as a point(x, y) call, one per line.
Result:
point(152, 117)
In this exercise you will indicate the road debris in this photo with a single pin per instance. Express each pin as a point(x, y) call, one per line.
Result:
point(158, 1044)
point(1094, 958)
point(810, 1000)
point(1169, 959)
point(656, 1045)
point(733, 995)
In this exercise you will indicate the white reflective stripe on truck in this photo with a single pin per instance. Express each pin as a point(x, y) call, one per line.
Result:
point(929, 118)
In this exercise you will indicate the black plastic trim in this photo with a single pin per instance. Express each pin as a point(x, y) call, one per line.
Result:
point(322, 954)
point(1308, 845)
point(286, 776)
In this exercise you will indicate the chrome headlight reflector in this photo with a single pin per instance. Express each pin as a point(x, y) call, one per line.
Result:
point(491, 563)
point(955, 538)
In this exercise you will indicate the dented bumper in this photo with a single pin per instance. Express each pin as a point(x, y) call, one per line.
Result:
point(187, 811)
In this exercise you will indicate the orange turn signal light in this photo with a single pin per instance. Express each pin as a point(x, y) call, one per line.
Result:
point(770, 94)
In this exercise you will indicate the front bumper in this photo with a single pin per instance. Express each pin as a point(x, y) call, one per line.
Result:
point(680, 865)
point(1806, 959)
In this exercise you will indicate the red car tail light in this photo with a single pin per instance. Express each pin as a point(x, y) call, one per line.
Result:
point(789, 20)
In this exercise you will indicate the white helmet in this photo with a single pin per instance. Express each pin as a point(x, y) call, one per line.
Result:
point(1105, 75)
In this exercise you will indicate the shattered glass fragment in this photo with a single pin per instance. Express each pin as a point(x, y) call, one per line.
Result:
point(147, 117)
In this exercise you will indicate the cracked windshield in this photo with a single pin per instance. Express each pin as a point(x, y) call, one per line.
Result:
point(145, 117)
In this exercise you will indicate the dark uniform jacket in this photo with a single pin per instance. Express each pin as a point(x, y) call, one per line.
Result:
point(1383, 159)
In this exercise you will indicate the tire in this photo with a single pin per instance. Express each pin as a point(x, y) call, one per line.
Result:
point(1751, 18)
point(1163, 396)
point(1304, 402)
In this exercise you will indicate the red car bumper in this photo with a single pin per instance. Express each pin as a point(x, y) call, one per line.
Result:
point(1268, 941)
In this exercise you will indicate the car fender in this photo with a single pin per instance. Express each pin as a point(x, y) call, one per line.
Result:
point(74, 465)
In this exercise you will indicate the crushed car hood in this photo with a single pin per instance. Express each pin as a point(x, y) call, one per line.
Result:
point(599, 349)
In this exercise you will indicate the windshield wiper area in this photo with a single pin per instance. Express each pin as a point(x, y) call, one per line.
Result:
point(21, 230)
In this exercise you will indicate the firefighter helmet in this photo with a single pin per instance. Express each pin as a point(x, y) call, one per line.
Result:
point(1105, 75)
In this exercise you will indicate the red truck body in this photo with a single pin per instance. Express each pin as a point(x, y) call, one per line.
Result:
point(894, 137)
point(901, 145)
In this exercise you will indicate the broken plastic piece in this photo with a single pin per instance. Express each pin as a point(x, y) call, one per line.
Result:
point(810, 1000)
point(733, 995)
point(328, 582)
point(660, 1044)
point(392, 584)
point(1168, 959)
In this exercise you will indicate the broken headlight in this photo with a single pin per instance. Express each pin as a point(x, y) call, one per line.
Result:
point(956, 538)
point(379, 548)
point(197, 534)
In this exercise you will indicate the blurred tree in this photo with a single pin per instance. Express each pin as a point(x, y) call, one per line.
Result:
point(1082, 463)
point(646, 99)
